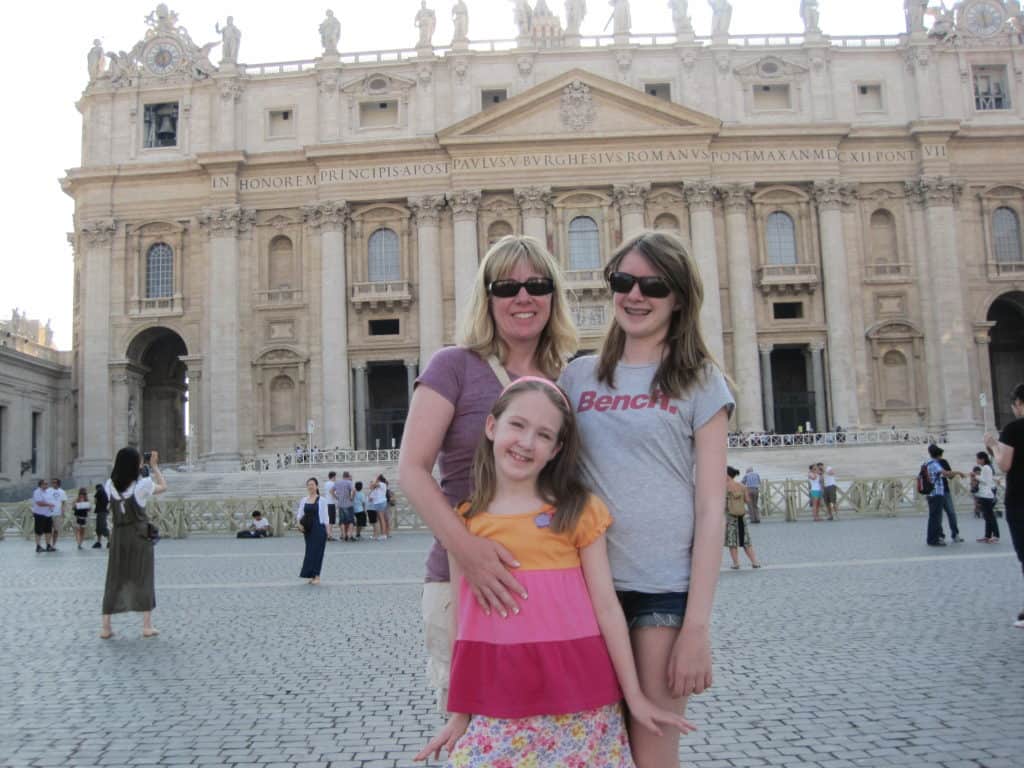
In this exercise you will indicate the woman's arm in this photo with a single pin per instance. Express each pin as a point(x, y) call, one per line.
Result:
point(484, 563)
point(1001, 452)
point(689, 669)
point(612, 622)
point(159, 485)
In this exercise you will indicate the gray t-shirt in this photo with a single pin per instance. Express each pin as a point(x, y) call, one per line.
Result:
point(343, 490)
point(637, 455)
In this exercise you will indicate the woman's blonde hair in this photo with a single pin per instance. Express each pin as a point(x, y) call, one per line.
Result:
point(557, 341)
point(558, 484)
point(686, 355)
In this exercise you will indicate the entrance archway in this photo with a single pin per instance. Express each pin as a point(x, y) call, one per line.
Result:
point(1007, 341)
point(389, 404)
point(160, 403)
point(792, 390)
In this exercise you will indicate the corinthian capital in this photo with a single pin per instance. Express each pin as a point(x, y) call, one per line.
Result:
point(940, 190)
point(464, 203)
point(329, 216)
point(700, 194)
point(99, 231)
point(831, 194)
point(230, 90)
point(533, 201)
point(632, 198)
point(229, 221)
point(427, 209)
point(735, 197)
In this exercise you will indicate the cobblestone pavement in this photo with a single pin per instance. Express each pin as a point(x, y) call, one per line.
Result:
point(856, 646)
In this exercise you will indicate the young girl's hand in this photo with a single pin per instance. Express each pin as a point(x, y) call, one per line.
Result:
point(689, 666)
point(643, 711)
point(446, 737)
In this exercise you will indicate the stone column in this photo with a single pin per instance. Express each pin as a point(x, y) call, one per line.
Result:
point(410, 378)
point(359, 370)
point(197, 422)
point(329, 218)
point(533, 205)
point(464, 204)
point(126, 384)
point(767, 391)
point(830, 197)
point(982, 340)
point(818, 372)
point(327, 106)
point(427, 210)
point(95, 450)
point(230, 90)
point(952, 367)
point(223, 225)
point(700, 197)
point(632, 200)
point(736, 198)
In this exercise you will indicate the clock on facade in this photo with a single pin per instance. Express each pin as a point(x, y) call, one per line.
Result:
point(163, 57)
point(984, 18)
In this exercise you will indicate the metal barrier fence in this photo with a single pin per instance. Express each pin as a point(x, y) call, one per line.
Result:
point(831, 439)
point(779, 499)
point(335, 456)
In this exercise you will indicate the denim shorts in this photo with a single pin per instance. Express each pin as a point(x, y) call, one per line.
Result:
point(665, 609)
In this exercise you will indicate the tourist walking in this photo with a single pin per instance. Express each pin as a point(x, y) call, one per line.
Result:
point(660, 469)
point(517, 324)
point(82, 507)
point(985, 498)
point(130, 584)
point(101, 504)
point(1008, 451)
point(814, 479)
point(830, 493)
point(553, 694)
point(752, 482)
point(42, 519)
point(344, 493)
point(737, 531)
point(379, 505)
point(311, 516)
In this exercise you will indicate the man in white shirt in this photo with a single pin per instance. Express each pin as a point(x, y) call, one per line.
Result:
point(42, 506)
point(58, 499)
point(259, 528)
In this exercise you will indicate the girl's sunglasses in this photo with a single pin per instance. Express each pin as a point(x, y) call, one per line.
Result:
point(653, 287)
point(535, 286)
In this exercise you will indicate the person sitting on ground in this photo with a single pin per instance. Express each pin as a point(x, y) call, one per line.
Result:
point(259, 528)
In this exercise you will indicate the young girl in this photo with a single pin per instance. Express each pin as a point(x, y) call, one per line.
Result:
point(82, 507)
point(359, 509)
point(542, 686)
point(653, 409)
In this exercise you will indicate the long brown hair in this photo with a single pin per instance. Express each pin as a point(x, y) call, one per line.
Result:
point(558, 483)
point(686, 355)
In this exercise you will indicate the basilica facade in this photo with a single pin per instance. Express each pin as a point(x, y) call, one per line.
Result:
point(284, 246)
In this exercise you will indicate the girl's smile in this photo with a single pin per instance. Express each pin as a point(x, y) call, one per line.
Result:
point(525, 437)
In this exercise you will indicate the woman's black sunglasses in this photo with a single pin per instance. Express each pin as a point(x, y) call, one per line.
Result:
point(653, 287)
point(535, 286)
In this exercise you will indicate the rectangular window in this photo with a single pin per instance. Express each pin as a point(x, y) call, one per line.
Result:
point(788, 310)
point(160, 125)
point(771, 97)
point(378, 114)
point(389, 327)
point(280, 123)
point(990, 89)
point(489, 98)
point(869, 97)
point(661, 91)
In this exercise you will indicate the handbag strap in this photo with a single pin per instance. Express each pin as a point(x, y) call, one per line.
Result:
point(499, 371)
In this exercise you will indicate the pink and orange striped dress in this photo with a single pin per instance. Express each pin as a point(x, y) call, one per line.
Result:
point(540, 685)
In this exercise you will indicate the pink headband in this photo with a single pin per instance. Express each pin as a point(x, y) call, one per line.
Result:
point(542, 380)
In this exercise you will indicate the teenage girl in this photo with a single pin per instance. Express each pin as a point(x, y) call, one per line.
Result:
point(652, 409)
point(986, 498)
point(814, 478)
point(82, 507)
point(544, 685)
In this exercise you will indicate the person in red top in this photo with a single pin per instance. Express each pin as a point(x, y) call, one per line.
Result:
point(544, 685)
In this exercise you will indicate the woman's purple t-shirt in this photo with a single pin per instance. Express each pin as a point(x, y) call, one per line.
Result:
point(465, 380)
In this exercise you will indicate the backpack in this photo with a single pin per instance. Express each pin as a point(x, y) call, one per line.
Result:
point(924, 481)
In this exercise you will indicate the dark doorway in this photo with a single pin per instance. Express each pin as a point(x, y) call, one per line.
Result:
point(388, 394)
point(1005, 352)
point(164, 392)
point(794, 400)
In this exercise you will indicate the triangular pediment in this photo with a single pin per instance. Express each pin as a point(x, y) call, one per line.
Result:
point(575, 105)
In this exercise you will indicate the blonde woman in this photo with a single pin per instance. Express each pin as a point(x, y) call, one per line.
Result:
point(517, 324)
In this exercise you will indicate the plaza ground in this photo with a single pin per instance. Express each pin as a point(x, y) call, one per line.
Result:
point(857, 645)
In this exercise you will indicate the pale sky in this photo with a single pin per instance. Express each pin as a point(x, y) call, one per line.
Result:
point(47, 42)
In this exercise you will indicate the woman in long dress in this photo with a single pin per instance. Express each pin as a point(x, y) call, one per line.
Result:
point(130, 580)
point(311, 514)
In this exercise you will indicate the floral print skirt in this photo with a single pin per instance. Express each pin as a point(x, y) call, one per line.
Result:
point(579, 740)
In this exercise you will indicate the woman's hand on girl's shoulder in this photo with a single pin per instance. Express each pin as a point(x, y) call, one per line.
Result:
point(446, 738)
point(643, 711)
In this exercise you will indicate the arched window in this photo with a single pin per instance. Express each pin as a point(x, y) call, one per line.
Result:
point(281, 268)
point(498, 230)
point(780, 238)
point(584, 244)
point(282, 404)
point(159, 271)
point(884, 249)
point(1006, 235)
point(895, 380)
point(666, 221)
point(383, 256)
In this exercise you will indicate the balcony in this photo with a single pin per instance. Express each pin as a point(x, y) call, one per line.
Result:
point(279, 298)
point(161, 306)
point(899, 272)
point(787, 279)
point(389, 294)
point(586, 282)
point(1006, 270)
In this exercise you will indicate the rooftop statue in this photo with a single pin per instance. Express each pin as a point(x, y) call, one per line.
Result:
point(721, 17)
point(619, 19)
point(681, 17)
point(575, 11)
point(460, 19)
point(96, 61)
point(809, 13)
point(914, 11)
point(425, 21)
point(523, 15)
point(944, 24)
point(231, 36)
point(330, 34)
